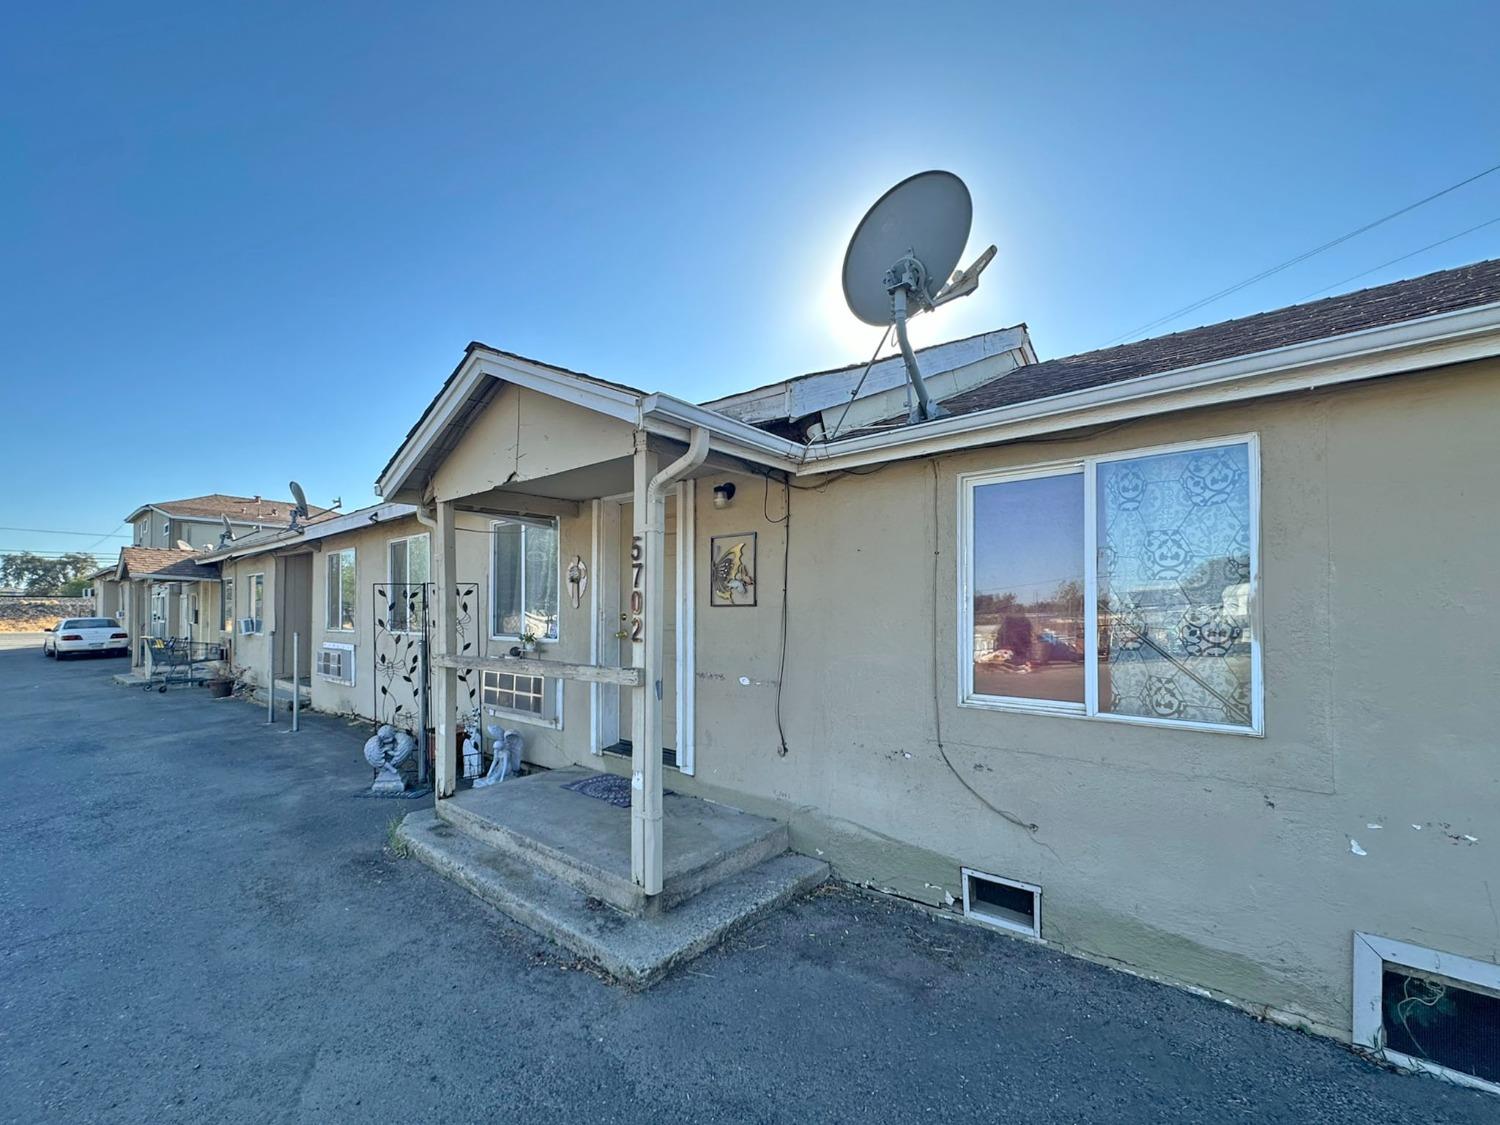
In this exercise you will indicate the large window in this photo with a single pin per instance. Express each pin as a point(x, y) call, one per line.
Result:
point(409, 568)
point(524, 579)
point(1116, 587)
point(338, 608)
point(256, 587)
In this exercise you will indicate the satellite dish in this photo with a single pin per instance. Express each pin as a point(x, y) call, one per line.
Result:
point(184, 545)
point(226, 536)
point(902, 256)
point(300, 511)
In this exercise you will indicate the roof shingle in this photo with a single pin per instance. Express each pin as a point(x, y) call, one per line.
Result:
point(139, 562)
point(1444, 291)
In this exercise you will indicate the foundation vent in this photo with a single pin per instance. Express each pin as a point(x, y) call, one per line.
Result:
point(1003, 903)
point(1427, 1010)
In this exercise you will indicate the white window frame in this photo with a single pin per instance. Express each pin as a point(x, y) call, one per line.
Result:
point(329, 607)
point(552, 702)
point(1089, 709)
point(256, 583)
point(390, 581)
point(525, 523)
point(1372, 954)
point(226, 604)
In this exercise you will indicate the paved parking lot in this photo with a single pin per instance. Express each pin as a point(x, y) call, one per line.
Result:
point(202, 922)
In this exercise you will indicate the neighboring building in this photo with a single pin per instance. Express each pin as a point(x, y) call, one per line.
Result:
point(161, 593)
point(159, 588)
point(1185, 641)
point(198, 521)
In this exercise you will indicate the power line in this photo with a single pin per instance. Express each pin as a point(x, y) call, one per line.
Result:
point(54, 531)
point(1302, 257)
point(1393, 261)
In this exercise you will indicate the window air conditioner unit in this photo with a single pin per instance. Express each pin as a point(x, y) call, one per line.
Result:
point(249, 624)
point(336, 662)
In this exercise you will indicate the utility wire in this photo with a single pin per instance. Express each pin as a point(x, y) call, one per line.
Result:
point(54, 531)
point(1302, 257)
point(1402, 258)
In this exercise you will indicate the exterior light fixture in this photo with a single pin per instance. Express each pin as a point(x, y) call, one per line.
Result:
point(723, 494)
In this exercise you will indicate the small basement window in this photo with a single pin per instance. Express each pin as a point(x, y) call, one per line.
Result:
point(1427, 1010)
point(1003, 903)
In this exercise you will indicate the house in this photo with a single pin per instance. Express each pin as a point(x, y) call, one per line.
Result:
point(161, 593)
point(198, 521)
point(1170, 655)
point(159, 586)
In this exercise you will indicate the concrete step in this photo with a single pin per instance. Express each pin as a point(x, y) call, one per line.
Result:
point(636, 949)
point(586, 843)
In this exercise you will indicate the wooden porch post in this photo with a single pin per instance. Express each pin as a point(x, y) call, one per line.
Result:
point(646, 590)
point(444, 680)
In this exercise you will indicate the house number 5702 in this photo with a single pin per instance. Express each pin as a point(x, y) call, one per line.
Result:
point(637, 591)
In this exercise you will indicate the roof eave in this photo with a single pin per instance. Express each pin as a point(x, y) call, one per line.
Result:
point(1452, 337)
point(482, 363)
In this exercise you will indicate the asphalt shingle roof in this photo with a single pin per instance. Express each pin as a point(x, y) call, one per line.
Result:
point(182, 565)
point(216, 504)
point(1444, 291)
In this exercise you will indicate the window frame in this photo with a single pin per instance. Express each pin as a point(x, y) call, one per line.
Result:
point(256, 584)
point(333, 621)
point(524, 523)
point(226, 604)
point(551, 714)
point(390, 582)
point(1089, 466)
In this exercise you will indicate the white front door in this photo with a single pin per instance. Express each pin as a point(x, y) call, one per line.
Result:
point(613, 707)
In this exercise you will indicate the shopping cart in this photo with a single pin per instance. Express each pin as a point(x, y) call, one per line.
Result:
point(176, 660)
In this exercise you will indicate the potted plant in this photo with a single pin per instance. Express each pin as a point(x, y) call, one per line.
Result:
point(528, 644)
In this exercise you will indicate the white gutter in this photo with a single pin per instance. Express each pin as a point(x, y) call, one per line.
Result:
point(1454, 337)
point(672, 417)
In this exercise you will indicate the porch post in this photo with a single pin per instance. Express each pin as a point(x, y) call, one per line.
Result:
point(646, 589)
point(444, 680)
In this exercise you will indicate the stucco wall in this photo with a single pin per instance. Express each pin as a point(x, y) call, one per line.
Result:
point(1218, 860)
point(524, 435)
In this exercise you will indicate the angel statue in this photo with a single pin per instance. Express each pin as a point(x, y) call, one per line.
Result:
point(507, 760)
point(386, 749)
point(473, 745)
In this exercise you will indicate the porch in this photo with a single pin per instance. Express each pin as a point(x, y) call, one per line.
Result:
point(557, 859)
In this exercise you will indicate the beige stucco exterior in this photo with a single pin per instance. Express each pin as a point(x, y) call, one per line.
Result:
point(1218, 860)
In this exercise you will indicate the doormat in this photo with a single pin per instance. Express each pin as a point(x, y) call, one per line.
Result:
point(606, 787)
point(404, 795)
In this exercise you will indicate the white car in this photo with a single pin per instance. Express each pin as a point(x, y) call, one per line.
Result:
point(85, 634)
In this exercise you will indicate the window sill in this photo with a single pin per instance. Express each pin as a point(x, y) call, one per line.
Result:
point(529, 718)
point(1065, 711)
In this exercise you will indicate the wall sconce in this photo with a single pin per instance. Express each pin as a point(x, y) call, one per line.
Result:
point(723, 494)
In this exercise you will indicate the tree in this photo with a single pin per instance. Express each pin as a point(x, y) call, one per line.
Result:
point(37, 575)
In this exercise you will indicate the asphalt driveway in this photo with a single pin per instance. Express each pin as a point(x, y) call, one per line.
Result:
point(200, 920)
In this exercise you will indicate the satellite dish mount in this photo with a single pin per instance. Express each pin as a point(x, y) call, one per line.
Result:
point(903, 250)
point(299, 507)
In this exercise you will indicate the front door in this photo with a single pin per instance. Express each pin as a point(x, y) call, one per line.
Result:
point(669, 646)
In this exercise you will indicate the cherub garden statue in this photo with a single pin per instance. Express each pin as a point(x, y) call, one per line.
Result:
point(386, 749)
point(507, 760)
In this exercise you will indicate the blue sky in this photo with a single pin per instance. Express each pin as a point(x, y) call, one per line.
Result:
point(254, 239)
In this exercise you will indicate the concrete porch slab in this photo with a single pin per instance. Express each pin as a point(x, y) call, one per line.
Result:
point(637, 950)
point(586, 842)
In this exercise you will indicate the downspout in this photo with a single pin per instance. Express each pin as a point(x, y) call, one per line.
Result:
point(424, 652)
point(697, 453)
point(646, 863)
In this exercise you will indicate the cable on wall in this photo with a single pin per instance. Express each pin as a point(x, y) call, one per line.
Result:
point(937, 700)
